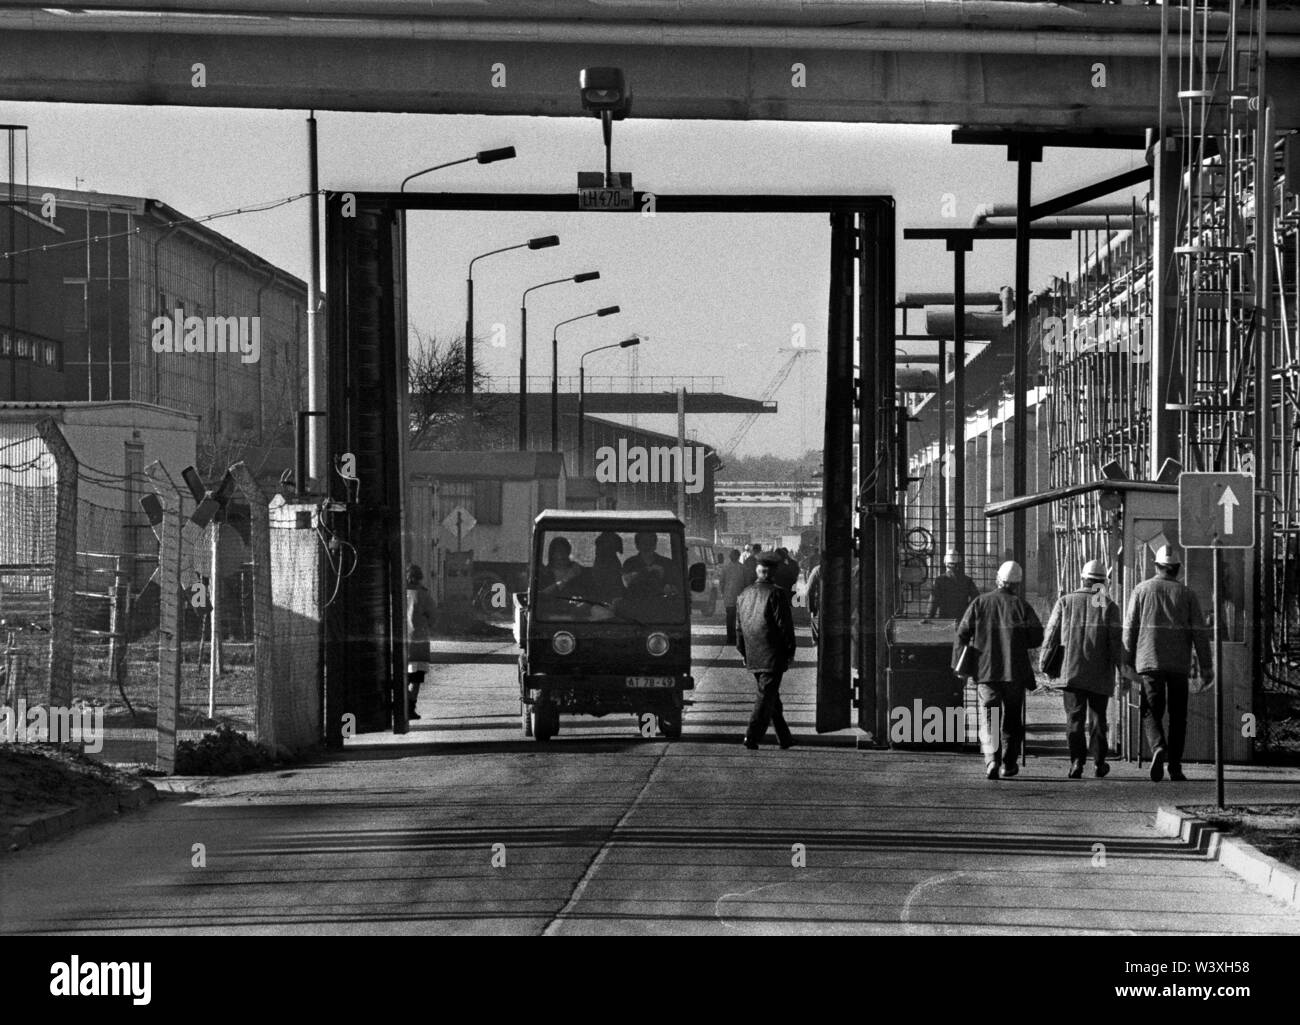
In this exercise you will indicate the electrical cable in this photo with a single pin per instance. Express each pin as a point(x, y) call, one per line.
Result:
point(257, 208)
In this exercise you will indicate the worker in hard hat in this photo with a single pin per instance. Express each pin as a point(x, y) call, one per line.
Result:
point(1162, 626)
point(953, 591)
point(1084, 650)
point(1002, 627)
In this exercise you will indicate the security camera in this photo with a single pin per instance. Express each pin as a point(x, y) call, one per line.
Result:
point(604, 92)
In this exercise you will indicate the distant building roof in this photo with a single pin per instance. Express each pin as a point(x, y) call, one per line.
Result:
point(115, 405)
point(486, 465)
point(155, 209)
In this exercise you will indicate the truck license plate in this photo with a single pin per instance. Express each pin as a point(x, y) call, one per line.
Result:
point(649, 681)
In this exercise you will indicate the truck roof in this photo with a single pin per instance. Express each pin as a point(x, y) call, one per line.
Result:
point(645, 517)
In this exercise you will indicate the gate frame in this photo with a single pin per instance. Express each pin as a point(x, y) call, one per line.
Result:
point(365, 245)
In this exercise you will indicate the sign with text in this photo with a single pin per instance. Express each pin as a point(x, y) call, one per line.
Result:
point(1216, 510)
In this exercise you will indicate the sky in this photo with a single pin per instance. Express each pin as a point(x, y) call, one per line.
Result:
point(711, 295)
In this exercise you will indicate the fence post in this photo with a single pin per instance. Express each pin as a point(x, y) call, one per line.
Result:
point(63, 582)
point(117, 620)
point(259, 545)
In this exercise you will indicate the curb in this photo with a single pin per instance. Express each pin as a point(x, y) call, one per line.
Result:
point(1247, 862)
point(41, 828)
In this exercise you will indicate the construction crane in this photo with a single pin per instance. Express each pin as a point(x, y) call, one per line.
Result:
point(773, 386)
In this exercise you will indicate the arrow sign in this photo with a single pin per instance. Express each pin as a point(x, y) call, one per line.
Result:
point(1228, 501)
point(1216, 510)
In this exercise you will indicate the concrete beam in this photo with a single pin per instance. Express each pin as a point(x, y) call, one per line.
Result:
point(283, 67)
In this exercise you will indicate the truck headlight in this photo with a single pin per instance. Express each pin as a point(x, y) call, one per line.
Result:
point(563, 643)
point(657, 644)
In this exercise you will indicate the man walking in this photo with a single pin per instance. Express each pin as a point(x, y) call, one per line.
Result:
point(732, 583)
point(1002, 627)
point(766, 642)
point(953, 591)
point(1163, 625)
point(1084, 633)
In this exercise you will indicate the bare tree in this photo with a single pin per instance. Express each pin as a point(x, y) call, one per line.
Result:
point(436, 379)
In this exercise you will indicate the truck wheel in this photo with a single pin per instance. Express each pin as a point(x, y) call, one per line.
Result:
point(545, 721)
point(526, 714)
point(670, 724)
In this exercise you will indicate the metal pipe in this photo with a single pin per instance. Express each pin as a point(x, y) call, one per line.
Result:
point(902, 13)
point(718, 35)
point(959, 401)
point(1026, 154)
point(315, 365)
point(1104, 222)
point(919, 300)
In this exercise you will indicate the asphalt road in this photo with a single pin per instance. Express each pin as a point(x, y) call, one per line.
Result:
point(462, 826)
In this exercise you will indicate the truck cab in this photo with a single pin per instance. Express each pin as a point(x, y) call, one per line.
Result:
point(605, 625)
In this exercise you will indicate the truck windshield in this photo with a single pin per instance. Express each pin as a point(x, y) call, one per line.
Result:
point(595, 575)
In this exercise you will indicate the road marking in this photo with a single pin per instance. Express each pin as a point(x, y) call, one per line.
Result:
point(717, 905)
point(944, 877)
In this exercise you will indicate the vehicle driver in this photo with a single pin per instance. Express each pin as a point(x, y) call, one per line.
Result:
point(647, 574)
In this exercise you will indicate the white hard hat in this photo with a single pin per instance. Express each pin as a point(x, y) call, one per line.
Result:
point(952, 558)
point(1010, 573)
point(1167, 555)
point(1094, 569)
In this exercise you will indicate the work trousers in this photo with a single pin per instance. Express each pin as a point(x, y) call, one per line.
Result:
point(767, 709)
point(1158, 691)
point(1086, 707)
point(731, 624)
point(1002, 720)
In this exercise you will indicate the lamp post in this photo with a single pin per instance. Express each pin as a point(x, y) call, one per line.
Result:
point(487, 156)
point(604, 311)
point(626, 343)
point(591, 275)
point(543, 242)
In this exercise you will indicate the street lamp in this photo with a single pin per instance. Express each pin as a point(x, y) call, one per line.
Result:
point(604, 311)
point(626, 343)
point(542, 242)
point(487, 156)
point(591, 275)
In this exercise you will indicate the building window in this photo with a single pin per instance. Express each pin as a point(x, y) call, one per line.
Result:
point(487, 502)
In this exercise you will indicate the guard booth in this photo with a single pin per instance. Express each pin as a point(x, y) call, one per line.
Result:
point(1138, 517)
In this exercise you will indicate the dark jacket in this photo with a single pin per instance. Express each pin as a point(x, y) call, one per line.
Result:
point(1163, 624)
point(1085, 623)
point(1003, 627)
point(765, 627)
point(951, 595)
